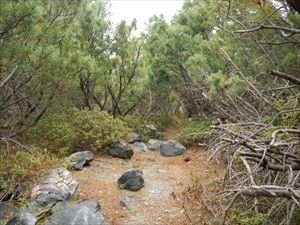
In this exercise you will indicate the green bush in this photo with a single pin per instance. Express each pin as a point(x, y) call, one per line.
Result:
point(162, 120)
point(19, 169)
point(193, 132)
point(256, 219)
point(137, 125)
point(77, 128)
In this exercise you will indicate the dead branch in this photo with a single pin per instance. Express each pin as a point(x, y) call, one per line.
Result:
point(285, 76)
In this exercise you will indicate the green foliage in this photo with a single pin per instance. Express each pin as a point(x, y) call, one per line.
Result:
point(162, 120)
point(218, 84)
point(159, 121)
point(256, 219)
point(20, 169)
point(285, 120)
point(136, 125)
point(193, 132)
point(78, 128)
point(296, 217)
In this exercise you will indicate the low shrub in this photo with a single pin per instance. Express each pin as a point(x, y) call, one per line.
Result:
point(194, 131)
point(60, 133)
point(19, 170)
point(137, 125)
point(255, 219)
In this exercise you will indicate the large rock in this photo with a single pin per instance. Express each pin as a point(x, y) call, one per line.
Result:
point(80, 159)
point(59, 182)
point(131, 180)
point(171, 148)
point(130, 202)
point(139, 147)
point(154, 145)
point(10, 215)
point(44, 203)
point(120, 149)
point(52, 193)
point(84, 213)
point(23, 218)
point(133, 137)
point(7, 212)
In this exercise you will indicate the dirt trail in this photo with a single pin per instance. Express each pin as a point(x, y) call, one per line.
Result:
point(164, 178)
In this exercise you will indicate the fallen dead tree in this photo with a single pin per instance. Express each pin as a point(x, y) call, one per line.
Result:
point(263, 168)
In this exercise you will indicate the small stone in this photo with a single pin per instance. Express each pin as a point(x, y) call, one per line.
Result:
point(80, 159)
point(151, 127)
point(150, 159)
point(154, 145)
point(133, 137)
point(131, 180)
point(139, 147)
point(130, 202)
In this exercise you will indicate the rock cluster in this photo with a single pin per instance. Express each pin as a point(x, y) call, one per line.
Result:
point(51, 196)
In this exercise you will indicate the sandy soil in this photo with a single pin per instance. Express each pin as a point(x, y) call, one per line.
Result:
point(156, 204)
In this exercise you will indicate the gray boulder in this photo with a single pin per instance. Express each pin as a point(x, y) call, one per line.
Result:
point(59, 182)
point(52, 193)
point(154, 145)
point(139, 147)
point(45, 202)
point(80, 159)
point(133, 137)
point(131, 180)
point(171, 148)
point(7, 212)
point(130, 202)
point(23, 218)
point(84, 213)
point(10, 215)
point(120, 149)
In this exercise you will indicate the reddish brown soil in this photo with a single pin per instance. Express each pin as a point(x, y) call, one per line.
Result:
point(164, 180)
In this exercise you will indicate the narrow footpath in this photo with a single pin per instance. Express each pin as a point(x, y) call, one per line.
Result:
point(156, 203)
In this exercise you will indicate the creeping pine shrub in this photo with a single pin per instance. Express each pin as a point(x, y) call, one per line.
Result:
point(19, 169)
point(92, 129)
point(193, 132)
point(255, 219)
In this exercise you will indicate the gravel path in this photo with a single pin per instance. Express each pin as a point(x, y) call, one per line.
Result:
point(156, 203)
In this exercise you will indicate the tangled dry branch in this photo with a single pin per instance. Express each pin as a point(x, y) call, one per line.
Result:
point(261, 168)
